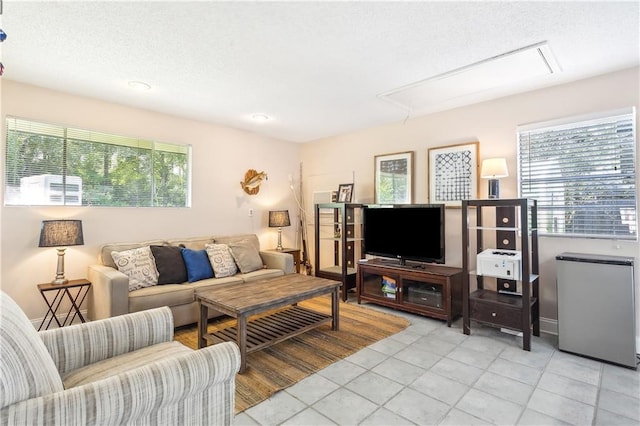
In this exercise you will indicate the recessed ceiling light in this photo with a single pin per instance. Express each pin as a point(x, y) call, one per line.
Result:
point(261, 118)
point(140, 86)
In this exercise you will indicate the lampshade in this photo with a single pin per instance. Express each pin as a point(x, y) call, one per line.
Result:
point(493, 168)
point(279, 218)
point(61, 233)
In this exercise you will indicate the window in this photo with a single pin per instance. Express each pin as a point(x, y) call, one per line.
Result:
point(582, 172)
point(53, 165)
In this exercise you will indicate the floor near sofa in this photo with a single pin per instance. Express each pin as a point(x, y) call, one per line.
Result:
point(430, 374)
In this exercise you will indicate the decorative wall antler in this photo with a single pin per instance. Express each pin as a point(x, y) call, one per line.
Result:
point(252, 181)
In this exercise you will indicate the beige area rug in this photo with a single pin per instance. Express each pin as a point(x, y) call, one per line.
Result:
point(286, 363)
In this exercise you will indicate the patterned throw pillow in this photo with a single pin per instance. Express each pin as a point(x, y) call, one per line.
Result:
point(221, 260)
point(139, 265)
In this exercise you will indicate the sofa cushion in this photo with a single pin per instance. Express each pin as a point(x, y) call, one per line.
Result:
point(107, 249)
point(139, 265)
point(197, 263)
point(205, 285)
point(170, 264)
point(27, 370)
point(193, 243)
point(221, 260)
point(246, 256)
point(160, 295)
point(261, 274)
point(122, 363)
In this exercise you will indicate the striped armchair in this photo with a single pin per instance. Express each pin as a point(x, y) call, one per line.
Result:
point(122, 370)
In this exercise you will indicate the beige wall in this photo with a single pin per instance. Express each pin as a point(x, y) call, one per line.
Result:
point(331, 161)
point(221, 156)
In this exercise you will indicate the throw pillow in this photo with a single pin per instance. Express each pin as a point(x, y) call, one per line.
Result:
point(221, 260)
point(197, 263)
point(139, 265)
point(170, 264)
point(246, 255)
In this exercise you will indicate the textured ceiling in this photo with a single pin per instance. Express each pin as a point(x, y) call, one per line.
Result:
point(316, 68)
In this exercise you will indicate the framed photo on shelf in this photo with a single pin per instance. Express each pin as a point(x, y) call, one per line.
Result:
point(453, 174)
point(394, 178)
point(345, 191)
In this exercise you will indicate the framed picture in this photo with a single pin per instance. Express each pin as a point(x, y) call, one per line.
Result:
point(345, 191)
point(453, 174)
point(394, 178)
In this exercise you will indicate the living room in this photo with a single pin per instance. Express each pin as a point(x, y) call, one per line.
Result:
point(222, 154)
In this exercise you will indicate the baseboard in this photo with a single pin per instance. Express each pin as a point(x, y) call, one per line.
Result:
point(549, 326)
point(61, 317)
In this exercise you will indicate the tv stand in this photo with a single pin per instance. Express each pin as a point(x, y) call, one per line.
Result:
point(426, 289)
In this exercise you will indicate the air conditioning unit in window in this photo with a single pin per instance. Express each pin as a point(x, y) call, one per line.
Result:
point(48, 190)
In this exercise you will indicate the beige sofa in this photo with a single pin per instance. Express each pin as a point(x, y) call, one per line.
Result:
point(110, 294)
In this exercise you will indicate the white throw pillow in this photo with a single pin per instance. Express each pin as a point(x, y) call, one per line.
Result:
point(139, 265)
point(221, 260)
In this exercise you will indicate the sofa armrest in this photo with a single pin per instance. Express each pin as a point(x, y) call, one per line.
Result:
point(82, 344)
point(109, 293)
point(193, 388)
point(275, 260)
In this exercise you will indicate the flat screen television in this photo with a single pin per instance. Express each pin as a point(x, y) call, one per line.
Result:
point(405, 232)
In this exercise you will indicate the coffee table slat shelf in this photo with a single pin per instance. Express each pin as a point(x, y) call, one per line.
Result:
point(271, 329)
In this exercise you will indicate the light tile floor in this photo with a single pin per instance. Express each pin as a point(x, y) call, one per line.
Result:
point(429, 374)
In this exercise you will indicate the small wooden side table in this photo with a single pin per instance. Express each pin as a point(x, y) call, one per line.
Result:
point(60, 291)
point(296, 256)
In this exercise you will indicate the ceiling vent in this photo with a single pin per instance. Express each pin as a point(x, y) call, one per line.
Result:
point(500, 71)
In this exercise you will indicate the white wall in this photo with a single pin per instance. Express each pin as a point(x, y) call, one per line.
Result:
point(328, 162)
point(221, 156)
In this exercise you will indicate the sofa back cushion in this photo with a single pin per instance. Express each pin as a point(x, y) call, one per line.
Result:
point(193, 243)
point(26, 368)
point(244, 238)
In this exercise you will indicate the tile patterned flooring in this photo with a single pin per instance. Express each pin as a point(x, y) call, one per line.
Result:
point(429, 374)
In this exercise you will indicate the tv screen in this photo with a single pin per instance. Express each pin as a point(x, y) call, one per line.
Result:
point(405, 231)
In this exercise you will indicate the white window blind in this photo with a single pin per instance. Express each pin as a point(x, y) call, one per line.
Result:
point(48, 164)
point(583, 174)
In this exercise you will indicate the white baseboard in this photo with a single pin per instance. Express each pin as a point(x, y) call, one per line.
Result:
point(61, 317)
point(549, 326)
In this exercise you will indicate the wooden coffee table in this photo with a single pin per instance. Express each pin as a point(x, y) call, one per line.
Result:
point(241, 301)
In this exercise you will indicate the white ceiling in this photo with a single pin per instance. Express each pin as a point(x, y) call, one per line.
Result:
point(316, 68)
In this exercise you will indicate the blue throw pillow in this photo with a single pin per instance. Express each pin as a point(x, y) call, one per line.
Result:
point(197, 263)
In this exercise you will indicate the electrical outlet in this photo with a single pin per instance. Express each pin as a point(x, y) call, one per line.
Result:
point(250, 212)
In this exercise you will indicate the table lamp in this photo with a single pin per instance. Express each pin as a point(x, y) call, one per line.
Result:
point(278, 219)
point(61, 234)
point(494, 169)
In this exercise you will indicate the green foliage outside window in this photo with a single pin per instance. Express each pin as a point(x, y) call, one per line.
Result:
point(112, 170)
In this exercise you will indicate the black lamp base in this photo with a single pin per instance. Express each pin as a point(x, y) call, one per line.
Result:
point(494, 188)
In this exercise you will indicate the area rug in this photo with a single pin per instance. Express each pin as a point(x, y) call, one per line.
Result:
point(286, 363)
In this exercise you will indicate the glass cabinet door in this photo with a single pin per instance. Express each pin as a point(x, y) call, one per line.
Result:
point(423, 294)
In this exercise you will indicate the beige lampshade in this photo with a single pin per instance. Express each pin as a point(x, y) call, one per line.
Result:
point(494, 168)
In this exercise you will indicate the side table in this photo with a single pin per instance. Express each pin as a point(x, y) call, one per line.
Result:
point(296, 256)
point(60, 291)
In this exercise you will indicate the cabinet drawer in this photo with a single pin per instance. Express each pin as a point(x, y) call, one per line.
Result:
point(496, 314)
